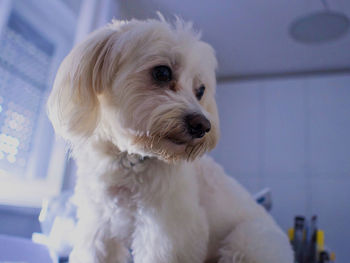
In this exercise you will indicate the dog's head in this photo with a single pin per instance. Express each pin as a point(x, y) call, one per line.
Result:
point(146, 86)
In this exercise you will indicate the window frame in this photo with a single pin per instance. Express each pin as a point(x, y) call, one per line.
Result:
point(92, 14)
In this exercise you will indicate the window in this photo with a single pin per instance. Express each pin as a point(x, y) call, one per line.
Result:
point(33, 41)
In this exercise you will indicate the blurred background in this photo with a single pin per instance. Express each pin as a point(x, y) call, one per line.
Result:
point(283, 92)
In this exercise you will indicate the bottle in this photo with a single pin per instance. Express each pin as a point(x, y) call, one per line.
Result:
point(299, 222)
point(311, 247)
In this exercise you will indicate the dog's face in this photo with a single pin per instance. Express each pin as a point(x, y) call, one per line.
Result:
point(146, 87)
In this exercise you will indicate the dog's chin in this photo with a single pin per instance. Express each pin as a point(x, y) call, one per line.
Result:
point(172, 148)
point(179, 148)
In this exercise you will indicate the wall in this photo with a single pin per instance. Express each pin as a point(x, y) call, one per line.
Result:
point(19, 221)
point(292, 135)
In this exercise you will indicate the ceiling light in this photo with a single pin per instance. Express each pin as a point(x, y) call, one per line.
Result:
point(321, 26)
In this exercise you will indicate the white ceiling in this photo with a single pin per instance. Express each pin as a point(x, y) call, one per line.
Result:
point(251, 36)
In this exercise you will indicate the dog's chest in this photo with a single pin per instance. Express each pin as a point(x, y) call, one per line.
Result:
point(126, 181)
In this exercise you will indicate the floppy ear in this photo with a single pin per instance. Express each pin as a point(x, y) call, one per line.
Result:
point(73, 106)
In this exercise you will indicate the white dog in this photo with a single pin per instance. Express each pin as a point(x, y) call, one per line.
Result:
point(136, 102)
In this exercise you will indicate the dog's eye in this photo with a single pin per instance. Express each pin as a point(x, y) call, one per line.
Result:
point(162, 73)
point(200, 92)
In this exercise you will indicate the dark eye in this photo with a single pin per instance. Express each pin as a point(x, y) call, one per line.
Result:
point(162, 73)
point(200, 92)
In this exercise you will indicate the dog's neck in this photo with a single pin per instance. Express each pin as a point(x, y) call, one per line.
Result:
point(97, 149)
point(120, 173)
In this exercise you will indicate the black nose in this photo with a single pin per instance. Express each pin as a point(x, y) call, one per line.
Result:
point(197, 125)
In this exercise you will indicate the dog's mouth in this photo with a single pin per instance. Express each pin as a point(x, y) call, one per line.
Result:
point(182, 140)
point(178, 136)
point(177, 141)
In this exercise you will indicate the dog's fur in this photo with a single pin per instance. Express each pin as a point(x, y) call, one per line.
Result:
point(143, 183)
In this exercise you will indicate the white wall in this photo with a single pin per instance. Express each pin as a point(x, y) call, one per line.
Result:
point(292, 135)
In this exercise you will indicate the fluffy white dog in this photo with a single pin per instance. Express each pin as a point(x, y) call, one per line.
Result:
point(136, 102)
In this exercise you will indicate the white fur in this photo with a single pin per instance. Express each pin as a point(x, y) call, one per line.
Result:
point(136, 188)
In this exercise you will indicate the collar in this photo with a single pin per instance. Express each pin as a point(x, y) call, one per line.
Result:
point(133, 161)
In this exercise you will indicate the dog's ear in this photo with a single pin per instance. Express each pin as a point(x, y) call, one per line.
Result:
point(73, 105)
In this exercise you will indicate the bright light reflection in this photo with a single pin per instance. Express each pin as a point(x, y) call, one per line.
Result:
point(11, 158)
point(8, 144)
